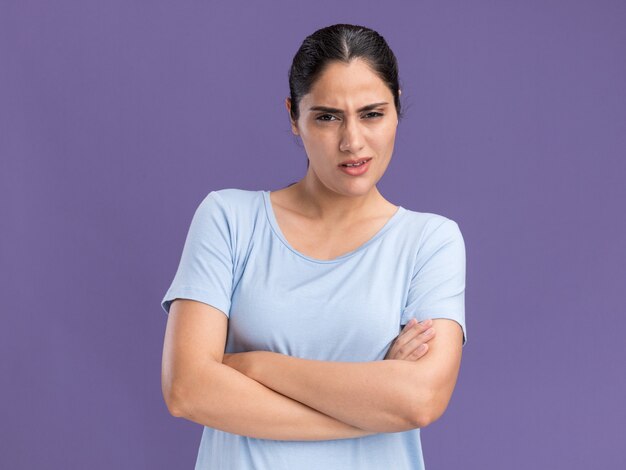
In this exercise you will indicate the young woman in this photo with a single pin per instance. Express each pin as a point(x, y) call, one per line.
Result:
point(285, 334)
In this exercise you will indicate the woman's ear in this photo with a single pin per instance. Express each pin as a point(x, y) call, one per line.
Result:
point(294, 126)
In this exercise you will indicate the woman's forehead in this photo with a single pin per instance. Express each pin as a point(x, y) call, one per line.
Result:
point(339, 75)
point(355, 81)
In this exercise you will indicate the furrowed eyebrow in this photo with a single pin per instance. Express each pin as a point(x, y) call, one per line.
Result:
point(326, 109)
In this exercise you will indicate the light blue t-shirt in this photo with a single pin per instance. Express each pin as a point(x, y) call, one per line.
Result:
point(350, 308)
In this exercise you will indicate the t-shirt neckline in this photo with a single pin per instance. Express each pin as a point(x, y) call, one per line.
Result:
point(271, 217)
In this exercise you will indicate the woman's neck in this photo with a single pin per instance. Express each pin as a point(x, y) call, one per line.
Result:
point(319, 202)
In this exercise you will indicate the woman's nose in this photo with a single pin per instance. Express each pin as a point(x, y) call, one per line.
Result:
point(351, 137)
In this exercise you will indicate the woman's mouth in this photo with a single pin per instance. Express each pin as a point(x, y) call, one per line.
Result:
point(356, 168)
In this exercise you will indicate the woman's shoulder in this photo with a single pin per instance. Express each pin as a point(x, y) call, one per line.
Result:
point(426, 233)
point(427, 221)
point(233, 199)
point(240, 206)
point(235, 195)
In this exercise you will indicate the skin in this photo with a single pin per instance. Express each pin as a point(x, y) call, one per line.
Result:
point(412, 342)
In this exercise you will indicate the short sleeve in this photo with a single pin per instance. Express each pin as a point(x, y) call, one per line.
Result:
point(437, 288)
point(205, 270)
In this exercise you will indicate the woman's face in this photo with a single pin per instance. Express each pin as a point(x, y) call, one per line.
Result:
point(349, 114)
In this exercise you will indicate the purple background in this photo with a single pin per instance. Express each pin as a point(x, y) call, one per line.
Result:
point(118, 117)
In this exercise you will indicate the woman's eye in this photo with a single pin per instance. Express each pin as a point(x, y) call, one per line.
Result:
point(330, 117)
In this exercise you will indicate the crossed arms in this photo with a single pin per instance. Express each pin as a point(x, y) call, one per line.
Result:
point(269, 395)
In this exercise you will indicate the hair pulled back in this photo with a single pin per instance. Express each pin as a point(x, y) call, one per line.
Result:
point(341, 43)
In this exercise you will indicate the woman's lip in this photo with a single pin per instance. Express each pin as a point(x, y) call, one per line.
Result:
point(356, 161)
point(355, 170)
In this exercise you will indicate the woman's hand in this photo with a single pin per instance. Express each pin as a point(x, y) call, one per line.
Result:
point(410, 344)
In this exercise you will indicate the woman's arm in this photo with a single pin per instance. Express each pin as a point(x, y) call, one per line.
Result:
point(197, 386)
point(225, 399)
point(380, 396)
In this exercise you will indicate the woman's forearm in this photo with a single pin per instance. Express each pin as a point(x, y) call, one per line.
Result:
point(377, 396)
point(223, 398)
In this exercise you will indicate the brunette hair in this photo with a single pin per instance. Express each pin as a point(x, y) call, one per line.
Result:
point(341, 43)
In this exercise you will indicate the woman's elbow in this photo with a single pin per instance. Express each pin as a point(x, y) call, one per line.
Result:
point(176, 388)
point(173, 398)
point(430, 408)
point(195, 387)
